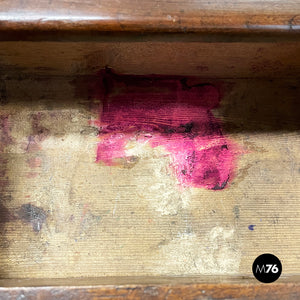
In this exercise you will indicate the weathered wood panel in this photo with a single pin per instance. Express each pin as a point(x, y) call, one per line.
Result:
point(63, 215)
point(150, 288)
point(202, 59)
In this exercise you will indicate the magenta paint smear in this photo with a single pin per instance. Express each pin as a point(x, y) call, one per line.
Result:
point(166, 112)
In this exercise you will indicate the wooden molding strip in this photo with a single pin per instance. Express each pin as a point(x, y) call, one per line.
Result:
point(200, 16)
point(156, 288)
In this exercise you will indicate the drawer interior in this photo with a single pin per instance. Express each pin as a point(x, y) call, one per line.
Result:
point(77, 202)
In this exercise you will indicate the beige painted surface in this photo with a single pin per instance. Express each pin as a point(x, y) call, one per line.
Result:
point(135, 220)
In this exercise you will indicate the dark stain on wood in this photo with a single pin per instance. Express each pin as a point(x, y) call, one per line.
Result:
point(3, 93)
point(34, 215)
point(38, 130)
point(5, 215)
point(222, 186)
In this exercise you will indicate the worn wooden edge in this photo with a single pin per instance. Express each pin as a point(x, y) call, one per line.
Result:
point(19, 19)
point(201, 29)
point(207, 287)
point(142, 280)
point(202, 22)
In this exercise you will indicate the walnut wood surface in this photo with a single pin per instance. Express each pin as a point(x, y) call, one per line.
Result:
point(155, 16)
point(163, 288)
point(206, 60)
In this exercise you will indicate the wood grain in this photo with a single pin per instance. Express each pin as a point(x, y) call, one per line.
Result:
point(279, 59)
point(109, 221)
point(149, 288)
point(152, 16)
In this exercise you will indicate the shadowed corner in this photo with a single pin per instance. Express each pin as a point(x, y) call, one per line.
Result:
point(261, 106)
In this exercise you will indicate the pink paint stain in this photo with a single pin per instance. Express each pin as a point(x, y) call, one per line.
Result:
point(34, 162)
point(165, 112)
point(31, 174)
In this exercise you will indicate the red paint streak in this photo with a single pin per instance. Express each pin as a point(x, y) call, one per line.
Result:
point(165, 111)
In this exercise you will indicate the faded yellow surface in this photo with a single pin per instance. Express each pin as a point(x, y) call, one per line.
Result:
point(105, 221)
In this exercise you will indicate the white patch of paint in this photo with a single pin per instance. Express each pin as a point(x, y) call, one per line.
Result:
point(167, 198)
point(215, 253)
